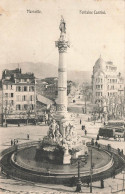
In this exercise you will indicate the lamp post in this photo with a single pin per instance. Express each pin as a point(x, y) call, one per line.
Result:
point(123, 172)
point(78, 187)
point(5, 116)
point(91, 171)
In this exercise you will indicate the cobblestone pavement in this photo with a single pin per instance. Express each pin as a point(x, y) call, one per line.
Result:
point(36, 133)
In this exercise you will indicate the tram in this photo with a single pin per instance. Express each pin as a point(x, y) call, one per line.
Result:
point(113, 129)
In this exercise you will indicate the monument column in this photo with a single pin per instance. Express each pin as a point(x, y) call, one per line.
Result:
point(62, 45)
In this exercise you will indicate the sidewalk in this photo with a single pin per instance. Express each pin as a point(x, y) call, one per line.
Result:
point(15, 186)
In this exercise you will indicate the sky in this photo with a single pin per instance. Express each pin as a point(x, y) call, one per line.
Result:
point(30, 37)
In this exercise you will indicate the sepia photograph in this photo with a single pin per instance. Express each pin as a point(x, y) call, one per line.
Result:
point(62, 96)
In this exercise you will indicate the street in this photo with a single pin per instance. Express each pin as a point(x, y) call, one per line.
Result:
point(38, 132)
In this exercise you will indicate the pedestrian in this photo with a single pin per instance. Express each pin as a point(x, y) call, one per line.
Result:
point(122, 152)
point(98, 146)
point(92, 141)
point(97, 137)
point(96, 143)
point(14, 142)
point(83, 127)
point(88, 182)
point(80, 121)
point(28, 136)
point(85, 132)
point(11, 142)
point(73, 181)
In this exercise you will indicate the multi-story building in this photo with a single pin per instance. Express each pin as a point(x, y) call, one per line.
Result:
point(19, 92)
point(107, 83)
point(48, 87)
point(1, 115)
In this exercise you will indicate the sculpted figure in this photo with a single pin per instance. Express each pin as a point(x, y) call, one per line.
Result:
point(53, 130)
point(62, 26)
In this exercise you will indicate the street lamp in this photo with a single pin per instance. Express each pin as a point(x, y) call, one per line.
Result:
point(78, 187)
point(123, 172)
point(79, 183)
point(5, 115)
point(91, 171)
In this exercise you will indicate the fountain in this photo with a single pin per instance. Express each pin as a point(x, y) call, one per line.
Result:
point(62, 143)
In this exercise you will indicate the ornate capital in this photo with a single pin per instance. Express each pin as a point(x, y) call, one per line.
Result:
point(62, 46)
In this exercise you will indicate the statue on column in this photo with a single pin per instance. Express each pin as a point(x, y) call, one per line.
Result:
point(62, 26)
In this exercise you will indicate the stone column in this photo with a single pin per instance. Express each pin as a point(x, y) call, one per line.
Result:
point(62, 45)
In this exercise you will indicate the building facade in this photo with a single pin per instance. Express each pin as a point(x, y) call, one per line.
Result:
point(1, 106)
point(48, 87)
point(107, 85)
point(19, 93)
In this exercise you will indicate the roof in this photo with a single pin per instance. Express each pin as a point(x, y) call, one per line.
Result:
point(99, 64)
point(9, 82)
point(11, 72)
point(25, 76)
point(99, 61)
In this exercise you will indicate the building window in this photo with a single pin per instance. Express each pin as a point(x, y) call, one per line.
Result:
point(24, 98)
point(31, 88)
point(11, 87)
point(18, 98)
point(25, 88)
point(17, 80)
point(25, 106)
point(18, 107)
point(6, 95)
point(18, 89)
point(31, 98)
point(12, 95)
point(6, 102)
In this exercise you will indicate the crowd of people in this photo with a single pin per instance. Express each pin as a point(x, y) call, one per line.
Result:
point(83, 127)
point(15, 141)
